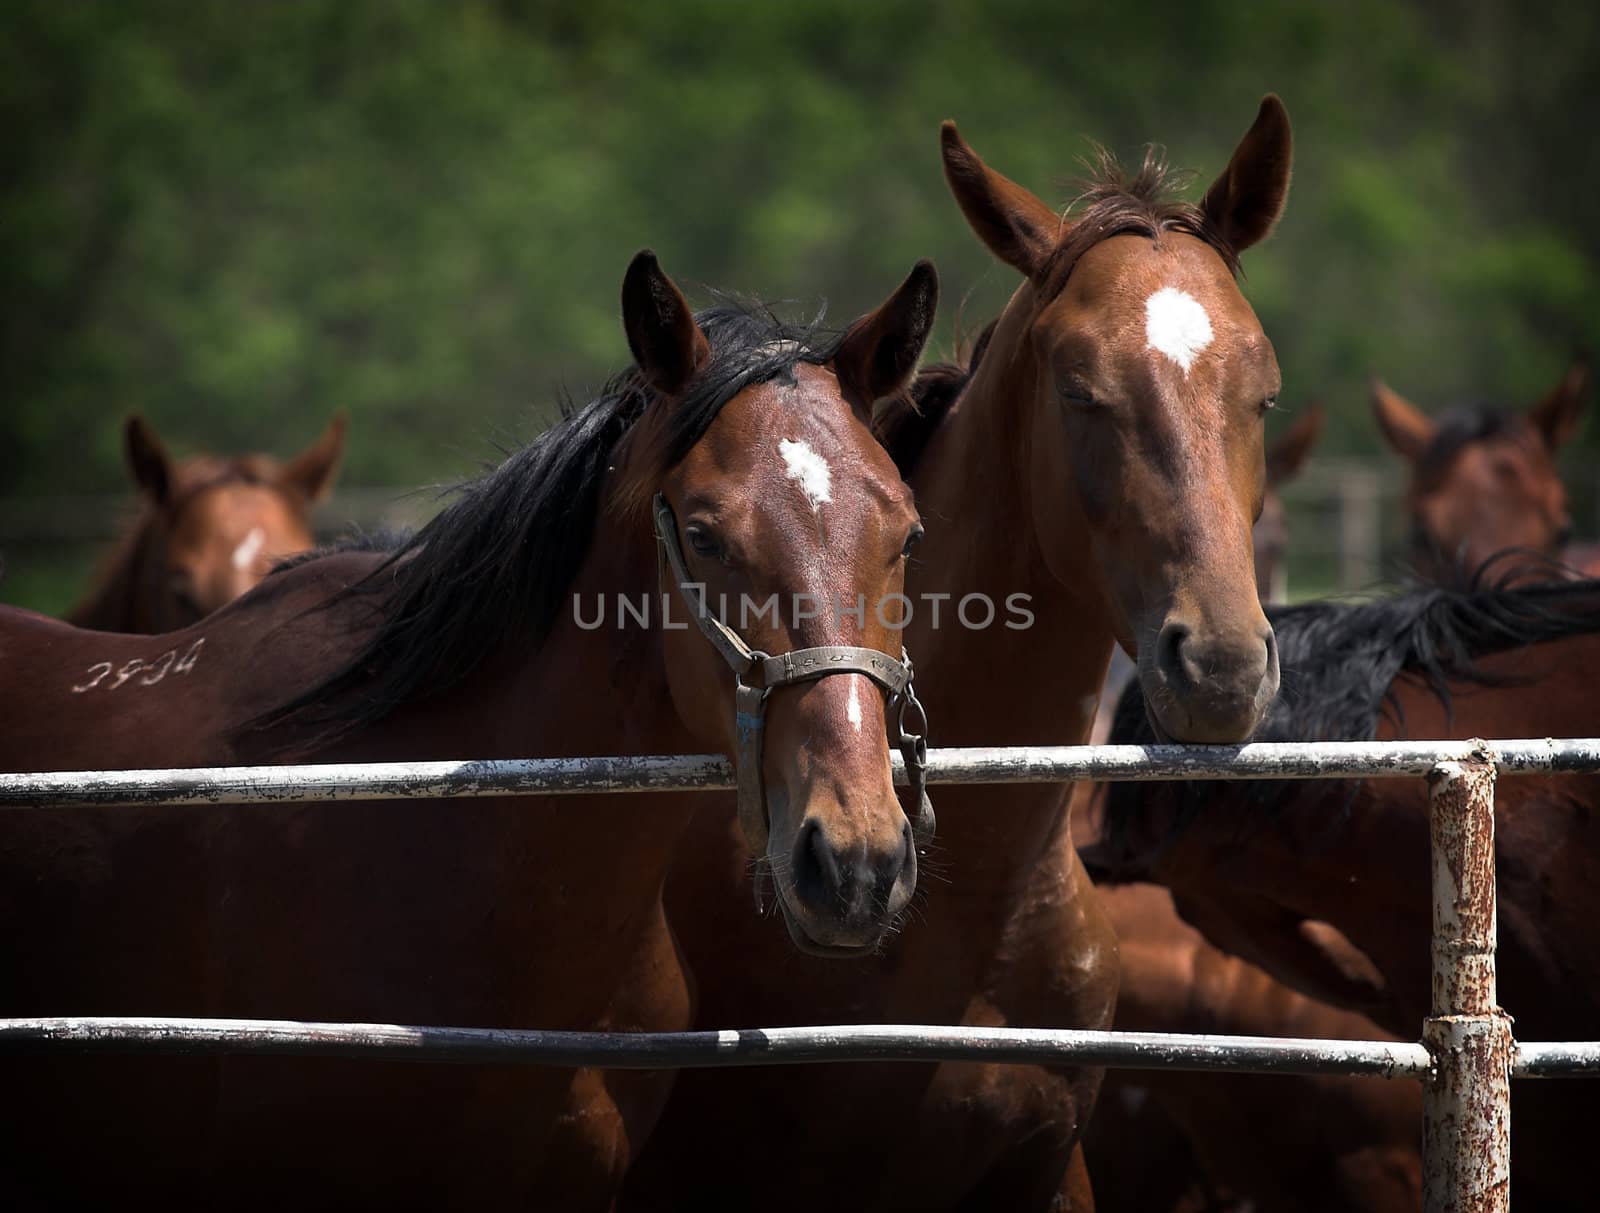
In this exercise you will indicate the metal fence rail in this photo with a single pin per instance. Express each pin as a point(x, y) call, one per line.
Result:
point(729, 1047)
point(769, 1046)
point(708, 772)
point(1465, 1060)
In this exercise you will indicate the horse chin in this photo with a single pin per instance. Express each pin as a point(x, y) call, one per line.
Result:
point(1181, 724)
point(1161, 735)
point(827, 951)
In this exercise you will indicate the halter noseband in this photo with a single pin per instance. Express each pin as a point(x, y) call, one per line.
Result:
point(757, 675)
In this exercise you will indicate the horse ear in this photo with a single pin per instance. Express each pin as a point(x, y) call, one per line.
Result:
point(1017, 227)
point(147, 459)
point(879, 352)
point(1247, 200)
point(313, 470)
point(1288, 454)
point(1556, 415)
point(1404, 426)
point(666, 343)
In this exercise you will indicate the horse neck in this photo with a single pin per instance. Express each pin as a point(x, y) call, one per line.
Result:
point(579, 692)
point(1033, 686)
point(130, 595)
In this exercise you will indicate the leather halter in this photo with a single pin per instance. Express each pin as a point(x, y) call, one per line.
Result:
point(757, 675)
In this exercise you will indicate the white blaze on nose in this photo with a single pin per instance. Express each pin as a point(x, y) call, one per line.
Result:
point(852, 709)
point(245, 554)
point(1176, 325)
point(807, 469)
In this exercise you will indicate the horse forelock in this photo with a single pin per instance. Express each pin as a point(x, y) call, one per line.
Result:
point(1113, 203)
point(1110, 203)
point(750, 345)
point(1462, 427)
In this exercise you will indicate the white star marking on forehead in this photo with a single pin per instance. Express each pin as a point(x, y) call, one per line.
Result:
point(1176, 325)
point(244, 555)
point(809, 470)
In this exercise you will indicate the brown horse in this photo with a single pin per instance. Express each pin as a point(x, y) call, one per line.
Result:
point(1164, 1140)
point(477, 639)
point(1253, 865)
point(1484, 481)
point(1100, 469)
point(208, 530)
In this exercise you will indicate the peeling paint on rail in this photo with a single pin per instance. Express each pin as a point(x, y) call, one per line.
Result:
point(741, 1047)
point(707, 772)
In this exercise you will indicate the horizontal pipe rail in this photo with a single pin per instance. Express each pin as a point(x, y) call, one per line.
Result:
point(733, 1047)
point(1555, 1059)
point(769, 1046)
point(706, 772)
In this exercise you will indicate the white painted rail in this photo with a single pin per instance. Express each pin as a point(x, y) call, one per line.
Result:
point(708, 772)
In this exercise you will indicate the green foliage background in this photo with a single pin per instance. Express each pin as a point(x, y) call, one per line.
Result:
point(235, 218)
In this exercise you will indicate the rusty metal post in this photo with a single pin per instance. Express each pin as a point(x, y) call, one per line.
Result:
point(1466, 1133)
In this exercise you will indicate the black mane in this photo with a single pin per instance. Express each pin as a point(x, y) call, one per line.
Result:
point(1461, 427)
point(498, 561)
point(907, 420)
point(384, 539)
point(1339, 663)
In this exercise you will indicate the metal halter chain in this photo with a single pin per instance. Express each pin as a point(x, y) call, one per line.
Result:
point(757, 674)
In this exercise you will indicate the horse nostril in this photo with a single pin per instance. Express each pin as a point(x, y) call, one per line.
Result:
point(1170, 657)
point(816, 869)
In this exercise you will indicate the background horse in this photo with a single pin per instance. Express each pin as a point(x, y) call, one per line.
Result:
point(1165, 1140)
point(470, 641)
point(208, 530)
point(1484, 481)
point(1101, 465)
point(1253, 864)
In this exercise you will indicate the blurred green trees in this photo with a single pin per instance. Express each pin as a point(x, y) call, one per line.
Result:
point(236, 218)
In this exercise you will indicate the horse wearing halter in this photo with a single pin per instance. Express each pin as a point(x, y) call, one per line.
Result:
point(758, 674)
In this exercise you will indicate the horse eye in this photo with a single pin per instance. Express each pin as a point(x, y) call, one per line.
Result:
point(1271, 402)
point(1076, 395)
point(702, 541)
point(183, 593)
point(912, 540)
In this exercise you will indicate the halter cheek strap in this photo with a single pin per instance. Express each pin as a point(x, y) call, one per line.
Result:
point(758, 674)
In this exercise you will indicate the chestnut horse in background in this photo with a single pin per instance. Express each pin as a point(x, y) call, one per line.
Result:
point(1484, 481)
point(1255, 865)
point(209, 529)
point(1105, 458)
point(474, 640)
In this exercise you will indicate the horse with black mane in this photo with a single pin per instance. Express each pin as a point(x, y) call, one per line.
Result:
point(1255, 864)
point(1104, 460)
point(461, 643)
